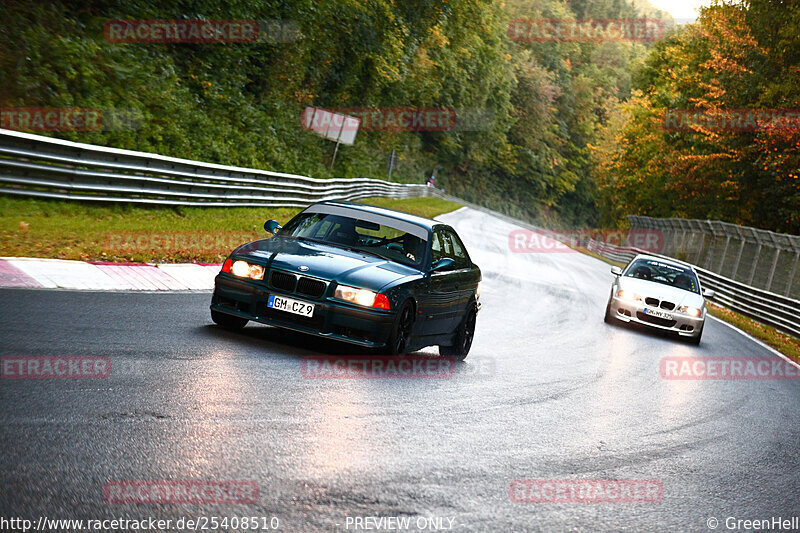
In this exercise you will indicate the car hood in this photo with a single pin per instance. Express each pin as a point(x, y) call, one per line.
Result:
point(326, 262)
point(652, 289)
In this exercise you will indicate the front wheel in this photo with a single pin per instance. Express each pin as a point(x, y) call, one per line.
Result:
point(227, 321)
point(463, 339)
point(696, 340)
point(401, 331)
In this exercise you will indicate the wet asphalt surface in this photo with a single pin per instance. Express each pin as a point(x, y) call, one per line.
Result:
point(549, 391)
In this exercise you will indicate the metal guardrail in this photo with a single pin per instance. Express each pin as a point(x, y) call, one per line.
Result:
point(766, 307)
point(34, 165)
point(750, 256)
point(769, 308)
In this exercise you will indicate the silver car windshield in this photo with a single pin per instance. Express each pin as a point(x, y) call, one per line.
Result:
point(664, 273)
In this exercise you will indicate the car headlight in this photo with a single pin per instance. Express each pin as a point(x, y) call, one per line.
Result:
point(478, 290)
point(629, 296)
point(689, 310)
point(243, 269)
point(363, 297)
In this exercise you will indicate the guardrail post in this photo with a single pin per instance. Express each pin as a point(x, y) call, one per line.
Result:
point(684, 239)
point(724, 253)
point(791, 276)
point(772, 270)
point(738, 258)
point(700, 247)
point(755, 264)
point(677, 240)
point(711, 247)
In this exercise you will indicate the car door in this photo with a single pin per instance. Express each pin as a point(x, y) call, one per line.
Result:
point(443, 296)
point(465, 278)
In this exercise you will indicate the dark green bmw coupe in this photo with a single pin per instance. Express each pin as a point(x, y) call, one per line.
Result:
point(356, 273)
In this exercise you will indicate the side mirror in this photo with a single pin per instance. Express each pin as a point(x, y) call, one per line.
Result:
point(708, 293)
point(617, 271)
point(272, 226)
point(442, 264)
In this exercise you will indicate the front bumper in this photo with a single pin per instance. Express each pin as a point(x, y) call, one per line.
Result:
point(332, 319)
point(633, 312)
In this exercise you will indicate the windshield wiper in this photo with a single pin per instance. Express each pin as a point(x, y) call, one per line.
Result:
point(355, 249)
point(359, 250)
point(307, 239)
point(338, 245)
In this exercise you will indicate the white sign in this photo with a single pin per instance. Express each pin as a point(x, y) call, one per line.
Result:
point(334, 126)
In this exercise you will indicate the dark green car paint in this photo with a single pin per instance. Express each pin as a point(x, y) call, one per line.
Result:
point(441, 299)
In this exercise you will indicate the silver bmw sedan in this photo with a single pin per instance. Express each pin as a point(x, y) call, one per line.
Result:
point(659, 293)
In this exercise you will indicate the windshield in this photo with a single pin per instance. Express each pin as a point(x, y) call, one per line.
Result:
point(664, 273)
point(352, 233)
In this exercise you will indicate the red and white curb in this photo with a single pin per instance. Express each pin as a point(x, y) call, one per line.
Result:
point(98, 276)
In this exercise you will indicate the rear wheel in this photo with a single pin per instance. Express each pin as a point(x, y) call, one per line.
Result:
point(228, 321)
point(401, 331)
point(463, 339)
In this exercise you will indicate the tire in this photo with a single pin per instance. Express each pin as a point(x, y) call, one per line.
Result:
point(233, 323)
point(607, 318)
point(401, 331)
point(463, 339)
point(696, 340)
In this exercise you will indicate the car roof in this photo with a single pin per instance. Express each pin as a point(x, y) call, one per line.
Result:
point(664, 260)
point(414, 219)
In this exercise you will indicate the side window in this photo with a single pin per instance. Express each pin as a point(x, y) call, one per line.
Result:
point(459, 253)
point(447, 244)
point(437, 246)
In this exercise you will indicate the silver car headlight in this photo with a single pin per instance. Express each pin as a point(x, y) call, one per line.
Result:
point(628, 295)
point(689, 310)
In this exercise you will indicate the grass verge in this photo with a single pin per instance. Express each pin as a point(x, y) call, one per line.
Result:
point(786, 344)
point(127, 233)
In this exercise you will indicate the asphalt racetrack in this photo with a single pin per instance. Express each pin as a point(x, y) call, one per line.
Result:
point(549, 392)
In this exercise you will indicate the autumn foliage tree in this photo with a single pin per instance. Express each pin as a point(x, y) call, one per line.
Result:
point(738, 59)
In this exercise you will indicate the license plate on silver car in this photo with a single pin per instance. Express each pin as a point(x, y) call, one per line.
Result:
point(290, 306)
point(657, 313)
